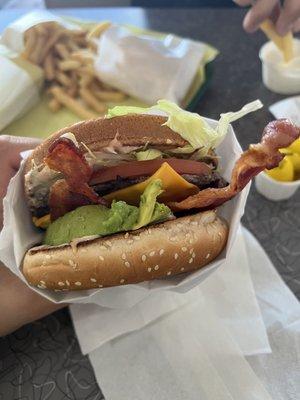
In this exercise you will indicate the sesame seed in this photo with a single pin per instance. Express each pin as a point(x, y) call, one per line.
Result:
point(191, 251)
point(41, 286)
point(207, 255)
point(161, 252)
point(182, 269)
point(175, 256)
point(151, 254)
point(67, 283)
point(72, 263)
point(122, 280)
point(126, 235)
point(47, 256)
point(194, 255)
point(156, 267)
point(100, 286)
point(169, 273)
point(123, 256)
point(172, 239)
point(183, 249)
point(127, 264)
point(108, 243)
point(168, 141)
point(61, 284)
point(78, 283)
point(191, 241)
point(93, 280)
point(149, 269)
point(144, 258)
point(42, 282)
point(101, 258)
point(130, 241)
point(137, 237)
point(149, 231)
point(191, 260)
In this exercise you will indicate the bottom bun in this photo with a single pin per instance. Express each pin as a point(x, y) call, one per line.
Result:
point(170, 248)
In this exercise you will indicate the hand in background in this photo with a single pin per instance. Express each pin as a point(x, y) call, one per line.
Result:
point(286, 18)
point(19, 304)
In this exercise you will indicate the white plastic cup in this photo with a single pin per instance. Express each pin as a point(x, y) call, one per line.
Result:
point(278, 76)
point(275, 190)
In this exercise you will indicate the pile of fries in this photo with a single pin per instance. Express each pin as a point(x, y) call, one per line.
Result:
point(67, 58)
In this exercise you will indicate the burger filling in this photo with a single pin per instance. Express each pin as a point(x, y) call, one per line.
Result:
point(77, 192)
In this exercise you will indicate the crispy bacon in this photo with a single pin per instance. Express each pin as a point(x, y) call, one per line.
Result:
point(66, 158)
point(63, 200)
point(277, 134)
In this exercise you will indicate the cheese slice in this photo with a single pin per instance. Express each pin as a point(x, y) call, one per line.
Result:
point(42, 222)
point(284, 43)
point(175, 187)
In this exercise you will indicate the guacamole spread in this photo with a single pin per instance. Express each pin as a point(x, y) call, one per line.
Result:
point(102, 221)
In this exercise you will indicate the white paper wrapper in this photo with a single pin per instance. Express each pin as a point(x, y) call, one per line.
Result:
point(14, 103)
point(13, 35)
point(192, 353)
point(19, 234)
point(287, 108)
point(148, 67)
point(228, 293)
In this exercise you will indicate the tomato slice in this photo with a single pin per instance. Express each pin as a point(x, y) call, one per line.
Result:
point(146, 168)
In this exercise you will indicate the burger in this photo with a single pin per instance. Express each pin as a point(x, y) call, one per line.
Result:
point(134, 196)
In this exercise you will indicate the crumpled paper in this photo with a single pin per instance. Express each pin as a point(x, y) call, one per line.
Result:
point(280, 370)
point(228, 294)
point(14, 103)
point(149, 66)
point(287, 108)
point(19, 234)
point(13, 35)
point(192, 353)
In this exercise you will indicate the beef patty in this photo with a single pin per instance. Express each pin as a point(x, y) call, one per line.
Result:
point(214, 180)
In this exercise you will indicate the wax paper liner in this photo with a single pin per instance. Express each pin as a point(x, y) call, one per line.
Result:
point(19, 234)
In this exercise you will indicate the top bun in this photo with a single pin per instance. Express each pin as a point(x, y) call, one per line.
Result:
point(132, 130)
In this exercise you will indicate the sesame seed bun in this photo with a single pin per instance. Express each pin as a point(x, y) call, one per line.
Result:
point(166, 249)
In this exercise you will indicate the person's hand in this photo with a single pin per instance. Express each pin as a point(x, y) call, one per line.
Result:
point(286, 18)
point(19, 304)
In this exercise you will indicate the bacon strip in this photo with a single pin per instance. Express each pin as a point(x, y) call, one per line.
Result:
point(276, 135)
point(62, 200)
point(66, 158)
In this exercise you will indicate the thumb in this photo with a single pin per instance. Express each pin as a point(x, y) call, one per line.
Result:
point(10, 149)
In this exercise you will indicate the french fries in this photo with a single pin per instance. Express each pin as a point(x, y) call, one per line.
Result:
point(67, 58)
point(71, 103)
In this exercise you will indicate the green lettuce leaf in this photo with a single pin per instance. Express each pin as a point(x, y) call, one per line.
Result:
point(149, 154)
point(190, 126)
